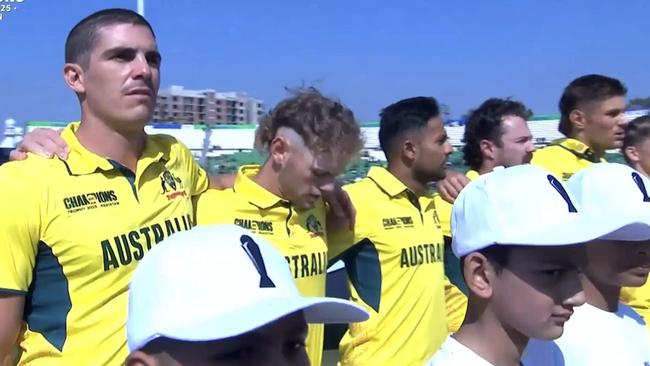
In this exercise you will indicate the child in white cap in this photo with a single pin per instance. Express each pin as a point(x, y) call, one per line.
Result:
point(605, 331)
point(219, 295)
point(516, 231)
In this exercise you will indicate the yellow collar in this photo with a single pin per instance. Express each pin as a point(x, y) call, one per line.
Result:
point(256, 194)
point(387, 181)
point(578, 148)
point(81, 161)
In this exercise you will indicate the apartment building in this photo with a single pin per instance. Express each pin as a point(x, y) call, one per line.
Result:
point(208, 106)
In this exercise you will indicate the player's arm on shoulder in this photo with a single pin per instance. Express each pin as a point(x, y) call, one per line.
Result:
point(45, 142)
point(343, 235)
point(211, 207)
point(339, 240)
point(450, 187)
point(341, 212)
point(11, 315)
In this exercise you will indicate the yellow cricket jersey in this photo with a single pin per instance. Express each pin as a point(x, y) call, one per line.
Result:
point(563, 158)
point(443, 208)
point(394, 260)
point(299, 235)
point(455, 306)
point(455, 300)
point(71, 234)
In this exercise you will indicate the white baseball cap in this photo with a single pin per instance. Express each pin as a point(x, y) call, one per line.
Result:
point(520, 205)
point(216, 282)
point(617, 193)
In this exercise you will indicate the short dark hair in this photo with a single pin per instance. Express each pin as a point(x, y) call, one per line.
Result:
point(636, 131)
point(407, 114)
point(83, 36)
point(325, 124)
point(586, 89)
point(486, 123)
point(497, 255)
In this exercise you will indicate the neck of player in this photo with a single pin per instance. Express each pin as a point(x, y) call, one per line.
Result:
point(601, 296)
point(487, 167)
point(267, 177)
point(599, 152)
point(505, 346)
point(124, 147)
point(408, 178)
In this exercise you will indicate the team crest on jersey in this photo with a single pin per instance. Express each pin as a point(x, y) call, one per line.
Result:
point(436, 219)
point(314, 226)
point(171, 185)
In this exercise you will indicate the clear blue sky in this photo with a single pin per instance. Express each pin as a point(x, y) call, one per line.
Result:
point(368, 53)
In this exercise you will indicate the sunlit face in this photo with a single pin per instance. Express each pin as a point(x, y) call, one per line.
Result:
point(306, 176)
point(281, 343)
point(120, 84)
point(536, 291)
point(618, 263)
point(605, 123)
point(432, 151)
point(516, 143)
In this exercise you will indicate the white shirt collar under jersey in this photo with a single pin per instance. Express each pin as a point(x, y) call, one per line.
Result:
point(595, 337)
point(454, 353)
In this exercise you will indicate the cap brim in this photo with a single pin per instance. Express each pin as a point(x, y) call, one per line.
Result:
point(635, 231)
point(587, 228)
point(577, 230)
point(328, 310)
point(316, 310)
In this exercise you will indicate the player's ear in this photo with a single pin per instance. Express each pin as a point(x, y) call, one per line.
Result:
point(409, 149)
point(74, 76)
point(578, 119)
point(479, 275)
point(279, 150)
point(632, 154)
point(487, 148)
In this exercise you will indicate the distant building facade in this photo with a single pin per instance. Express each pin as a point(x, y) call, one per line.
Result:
point(207, 106)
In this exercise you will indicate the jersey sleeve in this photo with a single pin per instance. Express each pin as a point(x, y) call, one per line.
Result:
point(341, 240)
point(338, 241)
point(198, 175)
point(20, 219)
point(455, 305)
point(209, 207)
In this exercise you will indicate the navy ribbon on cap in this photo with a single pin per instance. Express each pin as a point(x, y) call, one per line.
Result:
point(639, 183)
point(560, 189)
point(253, 250)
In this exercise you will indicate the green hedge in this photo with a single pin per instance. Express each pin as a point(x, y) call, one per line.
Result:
point(227, 164)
